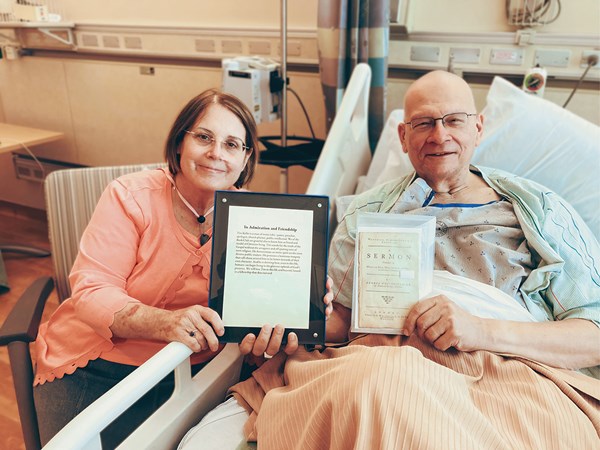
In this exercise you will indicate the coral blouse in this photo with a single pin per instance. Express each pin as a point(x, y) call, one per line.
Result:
point(133, 250)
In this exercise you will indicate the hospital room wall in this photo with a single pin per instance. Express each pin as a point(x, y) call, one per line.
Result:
point(112, 114)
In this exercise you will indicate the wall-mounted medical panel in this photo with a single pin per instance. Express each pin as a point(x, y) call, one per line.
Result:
point(506, 56)
point(552, 58)
point(465, 55)
point(424, 53)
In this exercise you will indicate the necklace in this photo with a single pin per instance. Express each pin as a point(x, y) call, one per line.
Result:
point(201, 218)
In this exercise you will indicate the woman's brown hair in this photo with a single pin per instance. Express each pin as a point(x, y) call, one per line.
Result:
point(194, 110)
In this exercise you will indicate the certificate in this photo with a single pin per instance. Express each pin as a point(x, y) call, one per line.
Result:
point(269, 263)
point(393, 269)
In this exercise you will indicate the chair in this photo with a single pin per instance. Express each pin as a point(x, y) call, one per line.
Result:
point(71, 196)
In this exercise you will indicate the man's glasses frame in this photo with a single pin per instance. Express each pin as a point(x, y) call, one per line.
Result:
point(456, 120)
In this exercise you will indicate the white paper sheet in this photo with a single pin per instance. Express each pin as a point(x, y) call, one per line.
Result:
point(268, 267)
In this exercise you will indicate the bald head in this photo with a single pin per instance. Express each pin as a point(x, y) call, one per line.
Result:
point(438, 90)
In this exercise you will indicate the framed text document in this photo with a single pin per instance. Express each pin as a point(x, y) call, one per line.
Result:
point(269, 262)
point(393, 269)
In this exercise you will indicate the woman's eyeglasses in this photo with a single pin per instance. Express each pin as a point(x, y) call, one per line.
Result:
point(206, 138)
point(449, 121)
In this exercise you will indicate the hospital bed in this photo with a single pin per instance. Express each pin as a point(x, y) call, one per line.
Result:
point(523, 134)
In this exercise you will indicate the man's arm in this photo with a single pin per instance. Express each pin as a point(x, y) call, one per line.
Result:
point(569, 343)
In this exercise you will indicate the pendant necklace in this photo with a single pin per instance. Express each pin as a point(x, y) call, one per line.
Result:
point(201, 218)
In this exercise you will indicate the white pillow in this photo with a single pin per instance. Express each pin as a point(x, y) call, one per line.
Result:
point(539, 140)
point(389, 161)
point(525, 135)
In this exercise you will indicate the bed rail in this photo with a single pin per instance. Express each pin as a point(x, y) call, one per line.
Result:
point(191, 399)
point(346, 154)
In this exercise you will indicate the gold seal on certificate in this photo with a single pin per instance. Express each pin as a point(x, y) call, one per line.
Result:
point(393, 269)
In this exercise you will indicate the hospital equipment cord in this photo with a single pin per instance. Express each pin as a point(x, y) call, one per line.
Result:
point(591, 62)
point(312, 132)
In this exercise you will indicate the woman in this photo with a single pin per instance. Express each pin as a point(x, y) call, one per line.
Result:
point(142, 274)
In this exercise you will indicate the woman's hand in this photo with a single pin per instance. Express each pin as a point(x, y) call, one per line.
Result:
point(196, 326)
point(444, 324)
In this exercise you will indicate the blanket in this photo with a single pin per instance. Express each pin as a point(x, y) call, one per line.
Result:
point(398, 392)
point(394, 392)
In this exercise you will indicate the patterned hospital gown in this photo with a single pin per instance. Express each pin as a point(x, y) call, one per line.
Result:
point(480, 242)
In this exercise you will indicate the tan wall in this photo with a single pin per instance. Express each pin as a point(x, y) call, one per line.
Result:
point(424, 15)
point(484, 16)
point(111, 114)
point(222, 13)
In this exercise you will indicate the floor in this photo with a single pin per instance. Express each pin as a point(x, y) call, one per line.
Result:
point(19, 225)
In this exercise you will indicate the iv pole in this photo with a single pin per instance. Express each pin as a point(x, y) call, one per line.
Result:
point(283, 176)
point(306, 151)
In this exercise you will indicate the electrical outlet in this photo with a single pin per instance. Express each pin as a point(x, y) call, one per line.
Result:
point(552, 58)
point(146, 70)
point(294, 49)
point(11, 52)
point(585, 55)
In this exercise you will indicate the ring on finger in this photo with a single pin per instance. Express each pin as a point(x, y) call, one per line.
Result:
point(192, 333)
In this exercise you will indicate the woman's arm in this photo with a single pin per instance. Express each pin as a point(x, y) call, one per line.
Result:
point(196, 326)
point(110, 250)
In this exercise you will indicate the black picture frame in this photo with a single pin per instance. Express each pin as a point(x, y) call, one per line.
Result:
point(319, 205)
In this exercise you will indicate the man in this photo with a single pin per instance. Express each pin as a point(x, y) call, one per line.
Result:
point(441, 154)
point(452, 380)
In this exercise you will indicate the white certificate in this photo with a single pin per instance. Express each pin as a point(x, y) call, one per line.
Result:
point(268, 263)
point(268, 267)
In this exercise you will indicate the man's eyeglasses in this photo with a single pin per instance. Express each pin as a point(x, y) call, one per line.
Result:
point(206, 138)
point(454, 121)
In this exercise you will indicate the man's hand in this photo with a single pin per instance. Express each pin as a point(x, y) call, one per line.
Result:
point(268, 342)
point(444, 324)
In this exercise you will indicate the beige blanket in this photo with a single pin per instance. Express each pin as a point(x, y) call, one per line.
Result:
point(393, 392)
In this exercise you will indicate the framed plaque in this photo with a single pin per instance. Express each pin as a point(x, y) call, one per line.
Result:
point(269, 263)
point(393, 269)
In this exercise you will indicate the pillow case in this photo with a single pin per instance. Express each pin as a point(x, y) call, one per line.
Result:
point(539, 140)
